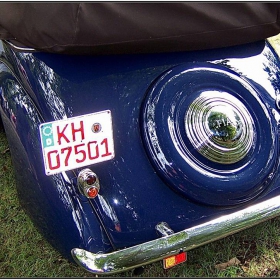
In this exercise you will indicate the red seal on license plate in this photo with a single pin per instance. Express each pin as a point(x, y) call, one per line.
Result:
point(77, 142)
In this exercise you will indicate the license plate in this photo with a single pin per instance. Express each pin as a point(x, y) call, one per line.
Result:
point(174, 260)
point(77, 142)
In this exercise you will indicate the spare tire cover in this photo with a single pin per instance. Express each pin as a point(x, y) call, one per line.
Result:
point(208, 134)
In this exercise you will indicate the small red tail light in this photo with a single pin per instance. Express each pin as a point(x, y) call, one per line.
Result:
point(91, 179)
point(92, 192)
point(88, 183)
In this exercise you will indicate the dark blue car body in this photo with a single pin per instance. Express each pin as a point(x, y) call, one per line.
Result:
point(149, 180)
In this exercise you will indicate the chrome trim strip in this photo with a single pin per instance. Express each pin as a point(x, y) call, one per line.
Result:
point(145, 253)
point(21, 49)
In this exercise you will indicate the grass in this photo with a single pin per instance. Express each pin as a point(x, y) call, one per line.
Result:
point(25, 254)
point(23, 251)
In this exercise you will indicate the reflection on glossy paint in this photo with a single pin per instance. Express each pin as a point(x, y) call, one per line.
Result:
point(67, 202)
point(271, 67)
point(50, 84)
point(151, 128)
point(268, 77)
point(109, 211)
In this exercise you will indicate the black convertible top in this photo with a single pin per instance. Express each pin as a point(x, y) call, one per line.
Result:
point(133, 27)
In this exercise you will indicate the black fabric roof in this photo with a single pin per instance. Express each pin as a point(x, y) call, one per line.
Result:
point(147, 27)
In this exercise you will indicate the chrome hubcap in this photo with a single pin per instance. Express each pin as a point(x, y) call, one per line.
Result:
point(219, 127)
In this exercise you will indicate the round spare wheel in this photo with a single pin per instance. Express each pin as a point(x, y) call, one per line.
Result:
point(208, 134)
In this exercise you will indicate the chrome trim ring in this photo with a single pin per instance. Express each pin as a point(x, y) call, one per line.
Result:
point(219, 127)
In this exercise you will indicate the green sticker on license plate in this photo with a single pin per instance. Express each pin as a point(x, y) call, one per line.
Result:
point(77, 142)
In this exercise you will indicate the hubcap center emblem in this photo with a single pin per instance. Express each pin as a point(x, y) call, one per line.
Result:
point(219, 127)
point(224, 125)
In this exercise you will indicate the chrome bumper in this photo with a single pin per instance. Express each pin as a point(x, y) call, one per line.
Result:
point(145, 253)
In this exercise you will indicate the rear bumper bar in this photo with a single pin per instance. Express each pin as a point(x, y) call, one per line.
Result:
point(145, 253)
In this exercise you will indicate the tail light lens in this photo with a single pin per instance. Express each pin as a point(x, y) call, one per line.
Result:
point(88, 183)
